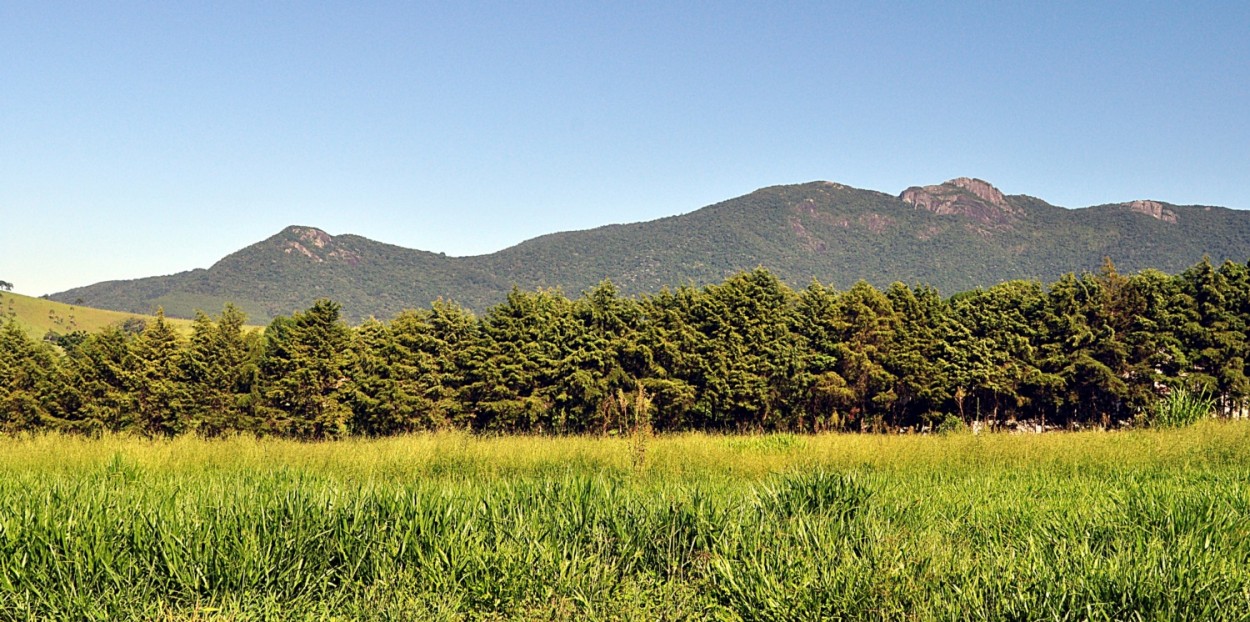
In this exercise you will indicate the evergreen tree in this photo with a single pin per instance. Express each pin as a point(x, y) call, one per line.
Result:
point(828, 399)
point(1145, 310)
point(603, 361)
point(1234, 377)
point(744, 354)
point(101, 372)
point(1085, 352)
point(405, 375)
point(302, 372)
point(748, 354)
point(379, 403)
point(865, 326)
point(159, 395)
point(667, 356)
point(28, 381)
point(994, 350)
point(1215, 333)
point(921, 356)
point(509, 377)
point(452, 330)
point(218, 368)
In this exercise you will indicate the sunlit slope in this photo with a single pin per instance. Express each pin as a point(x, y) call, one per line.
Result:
point(37, 316)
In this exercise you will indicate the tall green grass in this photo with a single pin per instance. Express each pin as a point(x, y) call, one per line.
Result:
point(1181, 407)
point(1140, 525)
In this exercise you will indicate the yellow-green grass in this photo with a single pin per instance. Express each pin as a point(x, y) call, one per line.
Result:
point(37, 316)
point(1093, 525)
point(668, 457)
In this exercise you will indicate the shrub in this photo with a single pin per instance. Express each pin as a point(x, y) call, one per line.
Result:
point(950, 423)
point(1179, 408)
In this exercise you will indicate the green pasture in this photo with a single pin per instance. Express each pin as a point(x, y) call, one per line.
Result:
point(37, 316)
point(1145, 524)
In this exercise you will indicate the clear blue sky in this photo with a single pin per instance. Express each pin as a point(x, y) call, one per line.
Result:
point(145, 138)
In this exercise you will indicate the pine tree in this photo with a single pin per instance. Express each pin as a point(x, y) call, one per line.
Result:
point(379, 404)
point(921, 358)
point(159, 395)
point(865, 326)
point(994, 352)
point(218, 369)
point(1145, 310)
point(405, 375)
point(509, 380)
point(749, 357)
point(28, 381)
point(602, 360)
point(302, 371)
point(101, 374)
point(667, 349)
point(1234, 377)
point(827, 400)
point(1215, 334)
point(1083, 350)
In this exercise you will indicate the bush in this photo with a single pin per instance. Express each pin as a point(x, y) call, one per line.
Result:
point(1179, 408)
point(947, 423)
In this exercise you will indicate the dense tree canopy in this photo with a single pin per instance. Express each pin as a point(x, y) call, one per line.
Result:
point(745, 354)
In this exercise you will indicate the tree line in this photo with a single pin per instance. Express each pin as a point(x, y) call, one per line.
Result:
point(747, 354)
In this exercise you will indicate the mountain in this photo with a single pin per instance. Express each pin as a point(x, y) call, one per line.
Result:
point(956, 235)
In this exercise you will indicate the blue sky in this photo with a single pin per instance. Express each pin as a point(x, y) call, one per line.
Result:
point(145, 138)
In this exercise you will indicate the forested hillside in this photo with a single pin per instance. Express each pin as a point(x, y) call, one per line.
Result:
point(748, 353)
point(953, 236)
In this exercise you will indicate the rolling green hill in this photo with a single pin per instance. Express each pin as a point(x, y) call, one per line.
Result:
point(956, 236)
point(37, 316)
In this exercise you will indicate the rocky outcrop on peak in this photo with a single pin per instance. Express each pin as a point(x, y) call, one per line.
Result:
point(316, 245)
point(313, 236)
point(1153, 209)
point(981, 189)
point(965, 196)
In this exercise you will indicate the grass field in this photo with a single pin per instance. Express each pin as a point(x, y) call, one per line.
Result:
point(38, 316)
point(1066, 526)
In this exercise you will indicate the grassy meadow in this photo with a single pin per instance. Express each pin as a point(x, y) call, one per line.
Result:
point(37, 316)
point(1145, 524)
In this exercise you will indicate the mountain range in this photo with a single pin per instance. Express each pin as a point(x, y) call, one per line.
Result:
point(957, 235)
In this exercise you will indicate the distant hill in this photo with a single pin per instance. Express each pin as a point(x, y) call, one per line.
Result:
point(37, 316)
point(956, 236)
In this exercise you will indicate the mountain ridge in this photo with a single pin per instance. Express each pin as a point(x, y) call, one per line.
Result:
point(957, 235)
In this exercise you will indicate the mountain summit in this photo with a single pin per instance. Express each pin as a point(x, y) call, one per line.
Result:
point(956, 235)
